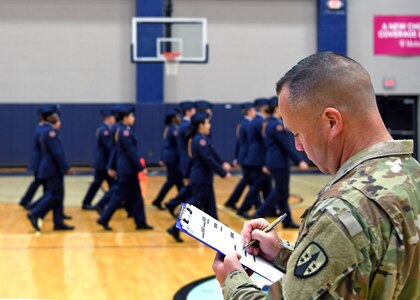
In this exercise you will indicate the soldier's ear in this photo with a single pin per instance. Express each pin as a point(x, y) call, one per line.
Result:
point(332, 121)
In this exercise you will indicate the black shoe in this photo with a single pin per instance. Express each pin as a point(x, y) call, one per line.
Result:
point(175, 234)
point(87, 207)
point(25, 206)
point(291, 225)
point(171, 209)
point(34, 221)
point(243, 214)
point(104, 225)
point(67, 217)
point(158, 205)
point(63, 226)
point(231, 205)
point(144, 227)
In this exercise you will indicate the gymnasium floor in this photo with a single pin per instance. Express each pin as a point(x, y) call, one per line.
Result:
point(90, 263)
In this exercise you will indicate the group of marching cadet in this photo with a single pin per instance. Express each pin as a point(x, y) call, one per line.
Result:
point(263, 150)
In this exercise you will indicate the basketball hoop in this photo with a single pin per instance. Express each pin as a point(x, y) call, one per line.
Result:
point(172, 60)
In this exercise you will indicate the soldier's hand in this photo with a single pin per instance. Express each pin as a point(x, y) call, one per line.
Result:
point(268, 245)
point(266, 170)
point(112, 173)
point(161, 163)
point(70, 171)
point(226, 167)
point(144, 171)
point(228, 175)
point(187, 181)
point(303, 165)
point(224, 265)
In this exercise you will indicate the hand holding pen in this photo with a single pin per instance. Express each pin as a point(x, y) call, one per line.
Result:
point(266, 230)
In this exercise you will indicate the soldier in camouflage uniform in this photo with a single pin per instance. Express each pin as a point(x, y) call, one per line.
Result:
point(360, 239)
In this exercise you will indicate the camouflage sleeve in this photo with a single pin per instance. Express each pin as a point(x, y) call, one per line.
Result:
point(238, 285)
point(283, 257)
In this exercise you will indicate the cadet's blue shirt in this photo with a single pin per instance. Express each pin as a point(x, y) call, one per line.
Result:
point(277, 142)
point(127, 157)
point(53, 163)
point(112, 160)
point(184, 159)
point(36, 155)
point(170, 145)
point(203, 160)
point(104, 145)
point(256, 149)
point(242, 140)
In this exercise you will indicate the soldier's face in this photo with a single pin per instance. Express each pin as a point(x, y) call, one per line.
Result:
point(308, 136)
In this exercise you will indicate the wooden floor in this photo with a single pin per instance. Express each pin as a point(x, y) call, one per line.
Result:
point(90, 263)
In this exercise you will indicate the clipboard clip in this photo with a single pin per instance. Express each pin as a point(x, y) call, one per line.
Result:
point(185, 214)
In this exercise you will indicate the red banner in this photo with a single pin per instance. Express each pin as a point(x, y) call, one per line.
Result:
point(396, 35)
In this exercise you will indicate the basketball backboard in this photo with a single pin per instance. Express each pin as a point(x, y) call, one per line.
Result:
point(152, 37)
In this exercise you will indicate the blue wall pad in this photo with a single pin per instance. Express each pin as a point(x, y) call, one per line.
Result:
point(332, 27)
point(79, 126)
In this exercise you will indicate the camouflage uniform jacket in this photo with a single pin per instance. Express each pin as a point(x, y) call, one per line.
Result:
point(360, 239)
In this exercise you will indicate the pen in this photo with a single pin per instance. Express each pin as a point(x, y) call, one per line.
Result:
point(266, 229)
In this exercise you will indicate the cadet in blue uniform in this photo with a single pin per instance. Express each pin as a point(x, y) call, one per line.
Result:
point(188, 110)
point(203, 164)
point(52, 169)
point(170, 157)
point(36, 157)
point(128, 166)
point(103, 150)
point(111, 164)
point(241, 151)
point(279, 150)
point(255, 159)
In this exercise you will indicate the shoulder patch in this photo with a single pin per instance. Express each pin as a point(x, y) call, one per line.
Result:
point(52, 134)
point(203, 142)
point(310, 261)
point(126, 132)
point(175, 132)
point(106, 132)
point(280, 127)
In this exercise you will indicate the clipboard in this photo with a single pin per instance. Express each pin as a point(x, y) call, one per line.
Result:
point(222, 239)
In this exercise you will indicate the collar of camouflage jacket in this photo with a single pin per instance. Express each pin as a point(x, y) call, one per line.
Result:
point(382, 149)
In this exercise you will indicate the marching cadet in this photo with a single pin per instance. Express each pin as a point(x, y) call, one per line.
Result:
point(203, 164)
point(128, 166)
point(111, 164)
point(241, 151)
point(170, 157)
point(255, 160)
point(278, 152)
point(52, 169)
point(187, 110)
point(104, 145)
point(36, 157)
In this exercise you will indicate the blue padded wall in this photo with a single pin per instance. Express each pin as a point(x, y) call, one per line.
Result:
point(332, 28)
point(81, 120)
point(149, 75)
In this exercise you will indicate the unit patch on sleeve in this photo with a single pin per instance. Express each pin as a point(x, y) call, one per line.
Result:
point(310, 261)
point(203, 142)
point(52, 134)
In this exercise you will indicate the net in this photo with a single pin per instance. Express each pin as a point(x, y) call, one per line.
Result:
point(172, 60)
